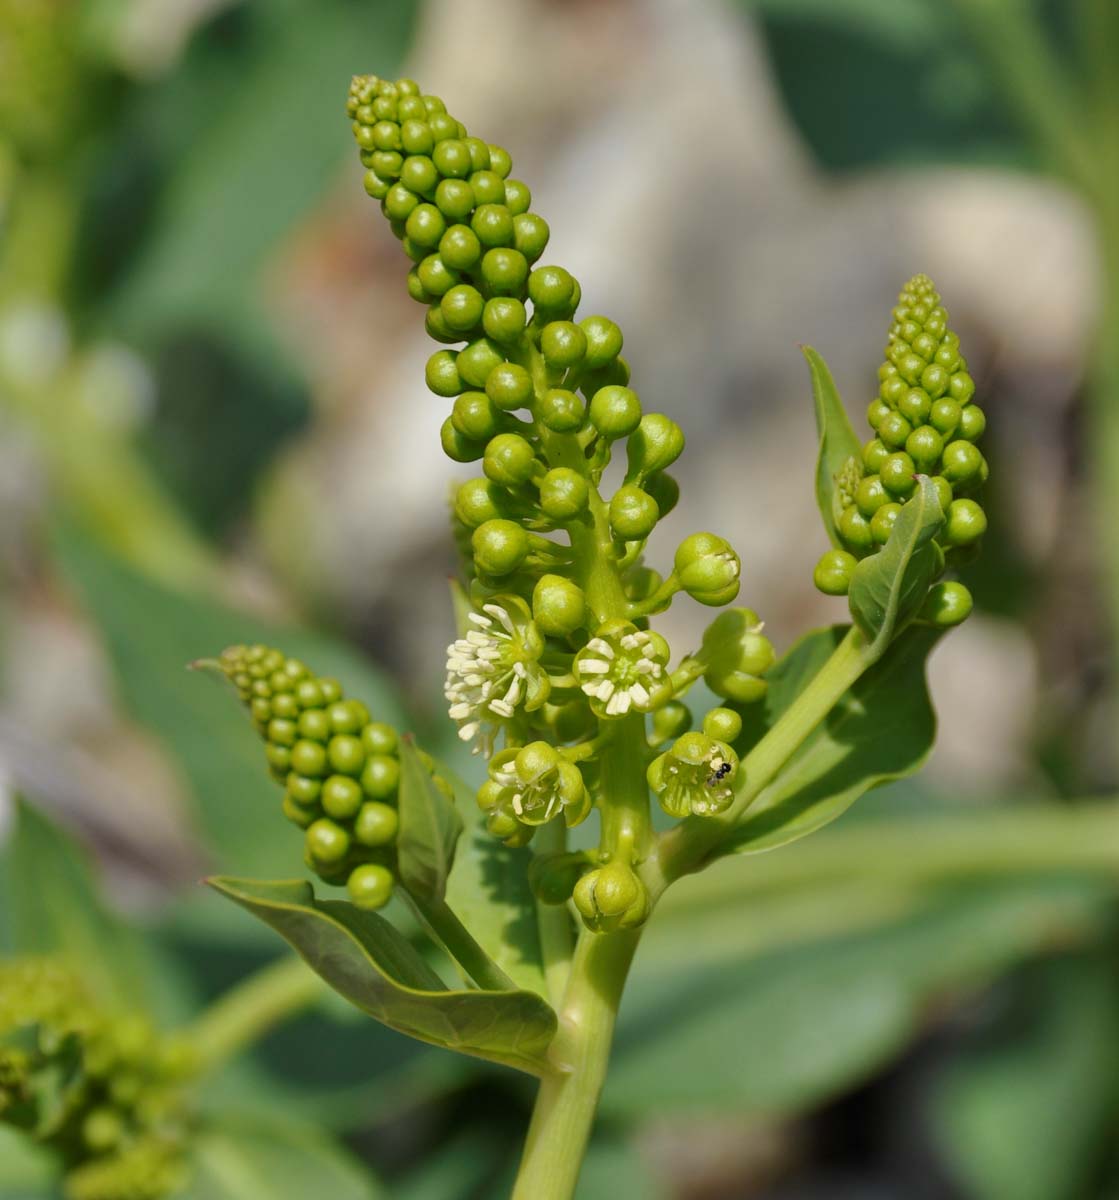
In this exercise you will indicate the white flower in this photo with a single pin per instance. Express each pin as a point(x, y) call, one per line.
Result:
point(620, 667)
point(494, 670)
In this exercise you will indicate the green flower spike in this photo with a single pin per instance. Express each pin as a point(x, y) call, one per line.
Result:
point(622, 668)
point(494, 670)
point(695, 777)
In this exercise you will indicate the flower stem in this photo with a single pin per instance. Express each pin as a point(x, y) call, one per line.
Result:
point(568, 1097)
point(252, 1008)
point(457, 940)
point(557, 943)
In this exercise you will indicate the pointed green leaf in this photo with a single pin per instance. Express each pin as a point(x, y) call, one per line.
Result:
point(882, 729)
point(888, 587)
point(839, 465)
point(365, 960)
point(430, 828)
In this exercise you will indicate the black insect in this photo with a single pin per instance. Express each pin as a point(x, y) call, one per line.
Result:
point(719, 774)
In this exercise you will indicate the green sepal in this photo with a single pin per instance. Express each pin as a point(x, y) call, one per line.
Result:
point(881, 729)
point(889, 587)
point(839, 464)
point(430, 827)
point(363, 958)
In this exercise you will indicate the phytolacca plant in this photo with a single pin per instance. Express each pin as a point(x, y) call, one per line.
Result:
point(557, 680)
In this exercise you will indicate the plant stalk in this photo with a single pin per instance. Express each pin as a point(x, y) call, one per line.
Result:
point(457, 940)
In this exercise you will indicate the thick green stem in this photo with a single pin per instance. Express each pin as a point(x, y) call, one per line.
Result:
point(565, 1107)
point(557, 941)
point(251, 1009)
point(457, 940)
point(686, 847)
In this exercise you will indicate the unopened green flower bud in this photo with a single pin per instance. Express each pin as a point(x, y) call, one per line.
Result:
point(737, 655)
point(558, 605)
point(504, 319)
point(480, 500)
point(499, 547)
point(611, 897)
point(509, 460)
point(327, 842)
point(563, 344)
point(461, 307)
point(723, 724)
point(376, 824)
point(604, 341)
point(493, 224)
point(615, 411)
point(633, 513)
point(441, 374)
point(509, 386)
point(504, 271)
point(460, 250)
point(656, 443)
point(530, 235)
point(965, 523)
point(833, 572)
point(669, 722)
point(564, 494)
point(947, 604)
point(475, 363)
point(551, 290)
point(380, 779)
point(370, 886)
point(708, 569)
point(562, 411)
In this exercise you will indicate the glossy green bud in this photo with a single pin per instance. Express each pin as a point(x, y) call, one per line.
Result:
point(870, 495)
point(854, 528)
point(604, 341)
point(564, 494)
point(883, 521)
point(480, 500)
point(518, 197)
point(509, 460)
point(462, 307)
point(961, 463)
point(504, 271)
point(379, 738)
point(965, 523)
point(723, 724)
point(563, 344)
point(327, 842)
point(924, 445)
point(475, 363)
point(655, 444)
point(476, 416)
point(346, 754)
point(451, 158)
point(370, 886)
point(455, 199)
point(973, 423)
point(504, 319)
point(376, 824)
point(493, 223)
point(341, 797)
point(947, 604)
point(499, 547)
point(489, 188)
point(381, 777)
point(558, 605)
point(708, 568)
point(615, 411)
point(833, 572)
point(633, 513)
point(561, 411)
point(551, 290)
point(425, 225)
point(669, 722)
point(898, 473)
point(530, 235)
point(611, 897)
point(875, 455)
point(509, 386)
point(500, 162)
point(458, 448)
point(442, 375)
point(460, 249)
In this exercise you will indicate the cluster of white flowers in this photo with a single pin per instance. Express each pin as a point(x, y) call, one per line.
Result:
point(618, 672)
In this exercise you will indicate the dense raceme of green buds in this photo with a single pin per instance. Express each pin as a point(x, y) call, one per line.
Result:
point(556, 662)
point(925, 421)
point(104, 1091)
point(339, 767)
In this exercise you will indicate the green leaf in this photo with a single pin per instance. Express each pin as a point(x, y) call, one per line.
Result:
point(488, 890)
point(151, 633)
point(430, 827)
point(839, 464)
point(883, 728)
point(1024, 1110)
point(365, 960)
point(887, 588)
point(50, 904)
point(787, 1029)
point(250, 1160)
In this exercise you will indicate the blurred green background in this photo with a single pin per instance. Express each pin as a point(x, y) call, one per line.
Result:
point(213, 427)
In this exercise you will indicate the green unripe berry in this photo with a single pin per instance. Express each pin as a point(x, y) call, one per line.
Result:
point(441, 374)
point(458, 448)
point(425, 226)
point(633, 513)
point(379, 738)
point(493, 223)
point(564, 494)
point(518, 198)
point(381, 776)
point(370, 886)
point(973, 421)
point(530, 235)
point(455, 199)
point(509, 460)
point(477, 361)
point(722, 724)
point(451, 158)
point(563, 344)
point(897, 474)
point(504, 271)
point(965, 523)
point(346, 754)
point(947, 604)
point(833, 573)
point(480, 500)
point(327, 842)
point(883, 521)
point(500, 162)
point(341, 797)
point(615, 411)
point(376, 824)
point(558, 605)
point(308, 758)
point(551, 290)
point(562, 411)
point(893, 430)
point(504, 319)
point(870, 495)
point(476, 416)
point(499, 547)
point(461, 307)
point(961, 462)
point(925, 446)
point(854, 528)
point(460, 249)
